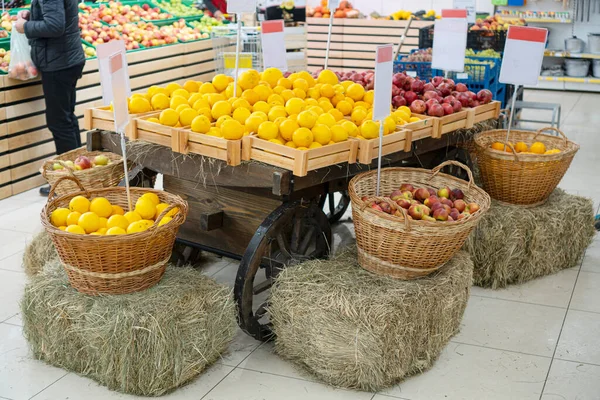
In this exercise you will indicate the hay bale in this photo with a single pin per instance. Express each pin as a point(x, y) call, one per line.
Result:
point(39, 251)
point(354, 329)
point(513, 244)
point(145, 343)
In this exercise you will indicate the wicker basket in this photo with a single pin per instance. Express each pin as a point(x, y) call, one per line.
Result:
point(524, 179)
point(93, 178)
point(401, 247)
point(114, 264)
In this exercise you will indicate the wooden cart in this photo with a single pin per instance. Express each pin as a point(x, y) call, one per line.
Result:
point(262, 215)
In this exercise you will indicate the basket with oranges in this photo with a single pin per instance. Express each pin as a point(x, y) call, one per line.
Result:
point(107, 248)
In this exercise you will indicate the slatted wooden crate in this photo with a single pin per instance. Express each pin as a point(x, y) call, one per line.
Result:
point(368, 149)
point(103, 118)
point(185, 141)
point(466, 118)
point(25, 141)
point(353, 41)
point(300, 162)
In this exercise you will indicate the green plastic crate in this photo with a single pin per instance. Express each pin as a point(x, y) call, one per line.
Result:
point(4, 44)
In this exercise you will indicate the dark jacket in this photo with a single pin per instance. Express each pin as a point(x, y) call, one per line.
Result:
point(53, 32)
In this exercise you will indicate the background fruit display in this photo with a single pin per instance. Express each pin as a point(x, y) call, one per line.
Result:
point(82, 163)
point(426, 204)
point(4, 59)
point(117, 13)
point(344, 10)
point(98, 217)
point(6, 21)
point(178, 9)
point(421, 15)
point(89, 51)
point(297, 111)
point(206, 23)
point(495, 23)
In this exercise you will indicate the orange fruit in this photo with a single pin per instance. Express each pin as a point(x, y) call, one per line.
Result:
point(521, 147)
point(538, 148)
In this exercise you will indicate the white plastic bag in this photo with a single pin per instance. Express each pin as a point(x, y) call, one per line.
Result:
point(21, 66)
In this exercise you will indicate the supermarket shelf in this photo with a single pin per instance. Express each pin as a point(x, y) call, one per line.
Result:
point(565, 54)
point(591, 80)
point(589, 84)
point(538, 20)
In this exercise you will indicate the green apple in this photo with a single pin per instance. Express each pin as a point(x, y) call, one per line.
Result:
point(101, 160)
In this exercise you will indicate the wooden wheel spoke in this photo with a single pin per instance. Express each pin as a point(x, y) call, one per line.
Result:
point(283, 246)
point(296, 233)
point(331, 201)
point(261, 311)
point(261, 287)
point(306, 240)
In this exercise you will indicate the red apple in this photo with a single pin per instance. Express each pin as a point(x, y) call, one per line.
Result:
point(440, 214)
point(421, 194)
point(461, 87)
point(431, 192)
point(448, 109)
point(376, 207)
point(410, 97)
point(417, 86)
point(428, 218)
point(454, 213)
point(417, 106)
point(436, 206)
point(386, 207)
point(484, 96)
point(460, 205)
point(416, 212)
point(431, 200)
point(407, 187)
point(404, 203)
point(436, 110)
point(444, 192)
point(447, 202)
point(428, 86)
point(426, 210)
point(457, 194)
point(83, 162)
point(407, 195)
point(396, 195)
point(473, 207)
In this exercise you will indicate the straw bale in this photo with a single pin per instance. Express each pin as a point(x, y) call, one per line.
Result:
point(354, 329)
point(514, 244)
point(145, 343)
point(37, 253)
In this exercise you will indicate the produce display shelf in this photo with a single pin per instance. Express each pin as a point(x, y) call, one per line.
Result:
point(538, 20)
point(591, 80)
point(401, 140)
point(566, 54)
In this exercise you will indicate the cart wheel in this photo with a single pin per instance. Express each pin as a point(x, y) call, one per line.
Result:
point(183, 254)
point(455, 154)
point(334, 211)
point(293, 233)
point(140, 177)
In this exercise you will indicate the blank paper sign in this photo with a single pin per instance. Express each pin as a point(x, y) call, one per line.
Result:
point(523, 55)
point(449, 44)
point(384, 69)
point(273, 45)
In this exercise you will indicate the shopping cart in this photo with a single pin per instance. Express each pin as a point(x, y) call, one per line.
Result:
point(224, 42)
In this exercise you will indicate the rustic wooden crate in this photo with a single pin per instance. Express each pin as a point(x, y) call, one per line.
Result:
point(424, 128)
point(104, 119)
point(142, 129)
point(186, 141)
point(466, 118)
point(368, 149)
point(298, 161)
point(487, 111)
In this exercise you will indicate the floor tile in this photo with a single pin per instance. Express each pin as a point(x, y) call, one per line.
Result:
point(243, 384)
point(11, 290)
point(20, 376)
point(553, 290)
point(239, 349)
point(13, 263)
point(506, 325)
point(27, 219)
point(12, 242)
point(77, 387)
point(227, 275)
point(571, 380)
point(470, 372)
point(15, 320)
point(587, 294)
point(579, 340)
point(591, 261)
point(264, 359)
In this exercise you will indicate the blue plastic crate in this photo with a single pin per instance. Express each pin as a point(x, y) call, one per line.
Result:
point(422, 69)
point(477, 75)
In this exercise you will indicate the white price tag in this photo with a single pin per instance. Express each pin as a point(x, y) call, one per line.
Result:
point(468, 5)
point(384, 69)
point(241, 6)
point(462, 75)
point(104, 52)
point(273, 45)
point(119, 77)
point(450, 41)
point(333, 4)
point(523, 55)
point(411, 73)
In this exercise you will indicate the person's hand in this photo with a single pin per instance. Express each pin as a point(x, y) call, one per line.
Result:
point(20, 25)
point(24, 14)
point(218, 15)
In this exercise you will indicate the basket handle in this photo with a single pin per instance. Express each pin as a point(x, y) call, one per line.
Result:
point(160, 216)
point(437, 169)
point(61, 162)
point(394, 207)
point(551, 128)
point(70, 178)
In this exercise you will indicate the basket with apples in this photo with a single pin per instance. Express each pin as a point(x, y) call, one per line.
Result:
point(417, 223)
point(94, 169)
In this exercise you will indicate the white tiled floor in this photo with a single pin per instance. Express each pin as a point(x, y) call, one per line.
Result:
point(540, 340)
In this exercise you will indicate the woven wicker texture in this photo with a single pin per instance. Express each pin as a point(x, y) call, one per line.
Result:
point(401, 247)
point(92, 178)
point(115, 264)
point(524, 179)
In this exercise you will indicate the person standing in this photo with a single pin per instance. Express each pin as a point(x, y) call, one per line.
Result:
point(52, 28)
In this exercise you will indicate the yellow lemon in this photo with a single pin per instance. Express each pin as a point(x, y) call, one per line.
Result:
point(250, 96)
point(102, 231)
point(229, 92)
point(345, 84)
point(206, 88)
point(241, 103)
point(200, 104)
point(79, 204)
point(200, 124)
point(117, 220)
point(316, 109)
point(181, 92)
point(232, 129)
point(75, 229)
point(338, 134)
point(101, 206)
point(191, 86)
point(89, 221)
point(307, 119)
point(103, 222)
point(287, 95)
point(58, 217)
point(153, 120)
point(160, 101)
point(326, 119)
point(268, 130)
point(355, 91)
point(161, 207)
point(287, 129)
point(187, 116)
point(325, 105)
point(400, 115)
point(241, 114)
point(276, 112)
point(220, 82)
point(284, 82)
point(177, 101)
point(181, 107)
point(279, 120)
point(294, 106)
point(138, 226)
point(263, 92)
point(132, 216)
point(327, 77)
point(277, 141)
point(538, 148)
point(291, 144)
point(300, 93)
point(252, 123)
point(337, 98)
point(206, 112)
point(271, 75)
point(315, 145)
point(521, 147)
point(337, 114)
point(276, 99)
point(194, 98)
point(171, 87)
point(389, 125)
point(164, 220)
point(261, 115)
point(358, 115)
point(116, 230)
point(169, 117)
point(321, 133)
point(303, 137)
point(327, 91)
point(249, 79)
point(221, 108)
point(261, 106)
point(313, 93)
point(145, 208)
point(350, 128)
point(370, 96)
point(344, 107)
point(307, 77)
point(369, 129)
point(414, 119)
point(117, 210)
point(139, 105)
point(222, 119)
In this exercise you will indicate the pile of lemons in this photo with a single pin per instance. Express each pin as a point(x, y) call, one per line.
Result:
point(298, 111)
point(522, 148)
point(98, 217)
